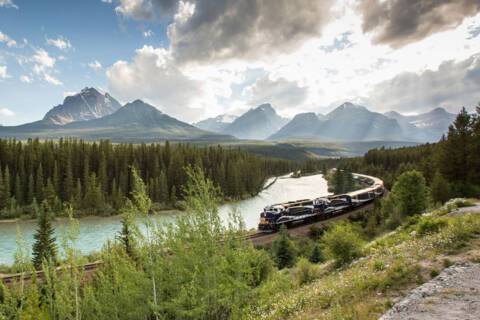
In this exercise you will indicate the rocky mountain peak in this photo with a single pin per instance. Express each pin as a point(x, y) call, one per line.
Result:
point(88, 104)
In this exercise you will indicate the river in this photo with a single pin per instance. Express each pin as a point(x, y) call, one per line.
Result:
point(96, 231)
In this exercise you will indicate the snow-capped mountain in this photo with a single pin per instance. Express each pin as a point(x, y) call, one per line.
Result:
point(88, 104)
point(217, 124)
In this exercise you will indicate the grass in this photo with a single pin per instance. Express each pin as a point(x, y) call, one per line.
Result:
point(365, 289)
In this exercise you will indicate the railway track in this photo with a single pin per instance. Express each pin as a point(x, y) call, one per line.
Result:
point(28, 276)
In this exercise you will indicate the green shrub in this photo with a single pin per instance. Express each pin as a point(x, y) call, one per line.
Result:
point(305, 271)
point(343, 243)
point(378, 265)
point(428, 225)
point(434, 273)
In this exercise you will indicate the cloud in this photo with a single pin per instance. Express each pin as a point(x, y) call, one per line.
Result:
point(8, 4)
point(26, 79)
point(452, 85)
point(107, 1)
point(146, 9)
point(44, 66)
point(223, 29)
point(95, 65)
point(153, 76)
point(7, 40)
point(148, 34)
point(281, 93)
point(6, 112)
point(3, 72)
point(61, 43)
point(400, 22)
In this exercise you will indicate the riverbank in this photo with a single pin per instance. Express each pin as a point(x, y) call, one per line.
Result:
point(95, 231)
point(165, 209)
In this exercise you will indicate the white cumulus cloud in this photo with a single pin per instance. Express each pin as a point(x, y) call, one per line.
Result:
point(44, 66)
point(26, 79)
point(95, 65)
point(7, 40)
point(148, 34)
point(6, 112)
point(61, 43)
point(3, 72)
point(152, 75)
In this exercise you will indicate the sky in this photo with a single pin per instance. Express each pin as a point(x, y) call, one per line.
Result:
point(200, 58)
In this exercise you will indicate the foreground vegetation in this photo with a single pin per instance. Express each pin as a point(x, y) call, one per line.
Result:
point(201, 268)
point(95, 178)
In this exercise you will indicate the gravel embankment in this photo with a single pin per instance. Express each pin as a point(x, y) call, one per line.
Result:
point(452, 295)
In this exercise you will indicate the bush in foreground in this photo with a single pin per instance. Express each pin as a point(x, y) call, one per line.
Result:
point(343, 243)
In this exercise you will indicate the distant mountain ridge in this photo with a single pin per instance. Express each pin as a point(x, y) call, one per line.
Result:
point(136, 121)
point(257, 123)
point(351, 122)
point(86, 105)
point(90, 114)
point(348, 122)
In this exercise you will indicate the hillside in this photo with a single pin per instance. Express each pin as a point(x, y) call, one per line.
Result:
point(392, 264)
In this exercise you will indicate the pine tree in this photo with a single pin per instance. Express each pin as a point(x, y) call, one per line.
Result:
point(283, 250)
point(317, 254)
point(3, 192)
point(44, 247)
point(93, 198)
point(77, 195)
point(163, 188)
point(102, 173)
point(18, 190)
point(7, 184)
point(440, 189)
point(173, 196)
point(30, 190)
point(39, 183)
point(68, 183)
point(50, 195)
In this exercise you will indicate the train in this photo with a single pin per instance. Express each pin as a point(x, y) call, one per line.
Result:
point(321, 208)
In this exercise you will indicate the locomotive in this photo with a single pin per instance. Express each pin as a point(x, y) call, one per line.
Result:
point(310, 210)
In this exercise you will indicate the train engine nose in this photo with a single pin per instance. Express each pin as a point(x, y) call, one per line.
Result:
point(268, 219)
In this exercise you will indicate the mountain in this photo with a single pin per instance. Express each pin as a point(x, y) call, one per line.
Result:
point(348, 122)
point(351, 122)
point(136, 121)
point(432, 124)
point(302, 126)
point(87, 105)
point(257, 123)
point(217, 124)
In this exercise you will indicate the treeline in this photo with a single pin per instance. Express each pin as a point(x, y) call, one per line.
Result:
point(451, 167)
point(95, 178)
